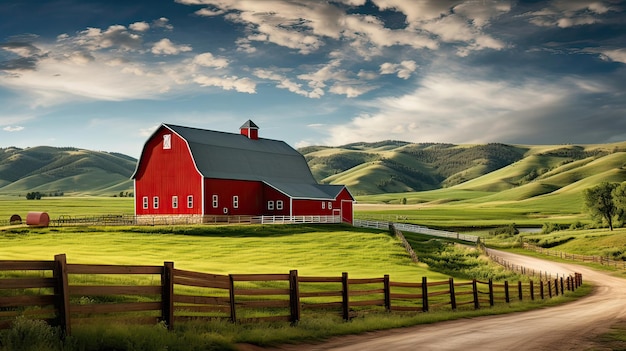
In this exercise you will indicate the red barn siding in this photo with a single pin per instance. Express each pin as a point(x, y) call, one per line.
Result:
point(249, 193)
point(166, 173)
point(271, 194)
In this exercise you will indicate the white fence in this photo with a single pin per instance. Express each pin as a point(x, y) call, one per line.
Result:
point(415, 229)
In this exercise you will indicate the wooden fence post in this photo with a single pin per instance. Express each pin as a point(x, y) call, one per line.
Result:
point(62, 294)
point(520, 292)
point(387, 292)
point(562, 291)
point(556, 287)
point(541, 289)
point(507, 297)
point(475, 294)
point(491, 292)
point(532, 290)
point(424, 294)
point(549, 288)
point(167, 294)
point(345, 296)
point(294, 296)
point(231, 293)
point(452, 295)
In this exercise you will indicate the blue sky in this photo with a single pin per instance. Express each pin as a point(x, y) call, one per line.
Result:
point(103, 74)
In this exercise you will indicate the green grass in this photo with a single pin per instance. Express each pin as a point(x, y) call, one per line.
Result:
point(313, 250)
point(65, 206)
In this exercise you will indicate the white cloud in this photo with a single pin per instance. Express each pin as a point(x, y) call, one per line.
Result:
point(570, 13)
point(146, 132)
point(163, 23)
point(209, 12)
point(450, 109)
point(11, 129)
point(242, 85)
point(114, 37)
point(404, 69)
point(139, 26)
point(166, 47)
point(208, 60)
point(617, 55)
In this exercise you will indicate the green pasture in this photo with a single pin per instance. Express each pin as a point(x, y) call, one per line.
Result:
point(65, 206)
point(312, 250)
point(317, 250)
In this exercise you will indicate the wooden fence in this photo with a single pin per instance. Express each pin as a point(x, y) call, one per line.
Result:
point(605, 261)
point(68, 294)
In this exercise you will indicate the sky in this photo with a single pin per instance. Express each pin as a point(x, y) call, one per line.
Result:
point(104, 74)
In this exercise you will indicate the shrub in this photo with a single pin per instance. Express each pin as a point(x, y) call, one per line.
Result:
point(508, 230)
point(30, 334)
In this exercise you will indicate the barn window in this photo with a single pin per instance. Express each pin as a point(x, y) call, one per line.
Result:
point(215, 201)
point(235, 201)
point(145, 203)
point(190, 201)
point(174, 201)
point(330, 205)
point(155, 202)
point(167, 141)
point(270, 205)
point(323, 205)
point(279, 204)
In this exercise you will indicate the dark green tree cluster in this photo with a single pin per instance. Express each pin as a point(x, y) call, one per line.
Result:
point(606, 202)
point(34, 195)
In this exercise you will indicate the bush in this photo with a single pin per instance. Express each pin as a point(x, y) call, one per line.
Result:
point(29, 334)
point(508, 230)
point(548, 228)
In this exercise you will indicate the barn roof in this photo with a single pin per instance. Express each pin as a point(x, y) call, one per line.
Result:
point(234, 156)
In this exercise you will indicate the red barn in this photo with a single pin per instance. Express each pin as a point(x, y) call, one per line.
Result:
point(198, 175)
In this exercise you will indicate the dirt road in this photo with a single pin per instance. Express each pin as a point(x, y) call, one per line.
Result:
point(567, 327)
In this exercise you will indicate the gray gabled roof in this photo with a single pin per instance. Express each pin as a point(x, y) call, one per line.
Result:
point(234, 156)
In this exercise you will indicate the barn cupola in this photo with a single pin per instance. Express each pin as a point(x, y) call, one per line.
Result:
point(250, 130)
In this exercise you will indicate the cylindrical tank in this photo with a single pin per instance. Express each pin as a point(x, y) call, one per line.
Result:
point(38, 219)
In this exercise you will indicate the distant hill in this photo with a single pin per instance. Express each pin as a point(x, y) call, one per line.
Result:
point(396, 167)
point(64, 170)
point(505, 172)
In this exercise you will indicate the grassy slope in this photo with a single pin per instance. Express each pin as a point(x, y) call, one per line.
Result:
point(69, 170)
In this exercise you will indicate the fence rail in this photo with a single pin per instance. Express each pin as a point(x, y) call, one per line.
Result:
point(415, 229)
point(605, 261)
point(68, 294)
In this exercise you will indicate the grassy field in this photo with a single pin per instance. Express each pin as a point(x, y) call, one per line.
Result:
point(313, 250)
point(65, 206)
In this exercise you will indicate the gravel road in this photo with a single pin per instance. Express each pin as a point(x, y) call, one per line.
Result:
point(571, 326)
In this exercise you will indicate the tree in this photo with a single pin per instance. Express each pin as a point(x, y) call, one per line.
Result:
point(599, 202)
point(619, 198)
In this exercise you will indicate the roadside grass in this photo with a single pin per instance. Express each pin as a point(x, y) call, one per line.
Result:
point(219, 335)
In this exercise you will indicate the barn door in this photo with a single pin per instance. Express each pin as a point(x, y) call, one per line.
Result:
point(346, 211)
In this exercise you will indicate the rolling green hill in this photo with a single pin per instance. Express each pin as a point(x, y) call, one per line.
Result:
point(64, 170)
point(378, 171)
point(493, 172)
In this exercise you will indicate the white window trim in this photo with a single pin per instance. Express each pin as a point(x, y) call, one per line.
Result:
point(190, 201)
point(330, 205)
point(323, 205)
point(216, 201)
point(146, 203)
point(235, 201)
point(167, 141)
point(270, 205)
point(155, 202)
point(279, 204)
point(174, 201)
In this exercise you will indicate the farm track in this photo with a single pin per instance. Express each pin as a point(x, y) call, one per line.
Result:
point(571, 326)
